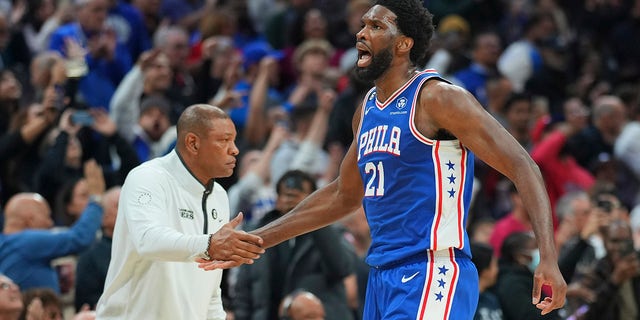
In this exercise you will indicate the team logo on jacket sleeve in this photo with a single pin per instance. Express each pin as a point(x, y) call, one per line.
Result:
point(144, 198)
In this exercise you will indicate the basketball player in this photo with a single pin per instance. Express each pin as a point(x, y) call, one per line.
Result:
point(411, 167)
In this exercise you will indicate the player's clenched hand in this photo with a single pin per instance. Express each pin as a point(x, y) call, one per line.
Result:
point(548, 273)
point(230, 247)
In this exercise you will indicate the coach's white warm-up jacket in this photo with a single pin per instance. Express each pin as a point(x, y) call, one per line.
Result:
point(159, 232)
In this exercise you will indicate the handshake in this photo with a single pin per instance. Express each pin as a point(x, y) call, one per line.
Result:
point(230, 248)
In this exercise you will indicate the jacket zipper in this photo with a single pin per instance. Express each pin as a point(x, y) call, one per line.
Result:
point(207, 191)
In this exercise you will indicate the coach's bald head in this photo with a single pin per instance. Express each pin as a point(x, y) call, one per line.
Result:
point(206, 142)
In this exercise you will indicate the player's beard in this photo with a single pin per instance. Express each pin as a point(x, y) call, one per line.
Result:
point(380, 62)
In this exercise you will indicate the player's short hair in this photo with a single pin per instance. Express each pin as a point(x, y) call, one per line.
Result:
point(414, 21)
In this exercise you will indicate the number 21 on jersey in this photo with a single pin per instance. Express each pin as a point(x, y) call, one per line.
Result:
point(375, 179)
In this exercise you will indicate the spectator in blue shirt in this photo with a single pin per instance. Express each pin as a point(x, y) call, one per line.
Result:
point(27, 245)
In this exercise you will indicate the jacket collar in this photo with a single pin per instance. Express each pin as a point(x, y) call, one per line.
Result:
point(182, 174)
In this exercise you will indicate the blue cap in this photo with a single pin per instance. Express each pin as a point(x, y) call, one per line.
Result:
point(253, 52)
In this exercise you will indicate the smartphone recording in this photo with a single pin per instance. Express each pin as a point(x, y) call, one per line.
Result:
point(82, 117)
point(605, 205)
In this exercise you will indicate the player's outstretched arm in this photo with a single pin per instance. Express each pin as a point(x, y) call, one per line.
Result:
point(321, 208)
point(324, 206)
point(318, 210)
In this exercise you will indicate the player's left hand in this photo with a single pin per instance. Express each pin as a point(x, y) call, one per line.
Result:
point(548, 273)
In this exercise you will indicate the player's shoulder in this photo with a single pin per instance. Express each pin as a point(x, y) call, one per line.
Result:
point(438, 92)
point(439, 85)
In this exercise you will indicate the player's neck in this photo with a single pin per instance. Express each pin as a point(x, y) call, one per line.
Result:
point(390, 81)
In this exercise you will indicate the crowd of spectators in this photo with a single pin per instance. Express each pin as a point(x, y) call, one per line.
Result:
point(93, 88)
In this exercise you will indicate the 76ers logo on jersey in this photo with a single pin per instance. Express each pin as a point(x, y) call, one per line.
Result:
point(402, 102)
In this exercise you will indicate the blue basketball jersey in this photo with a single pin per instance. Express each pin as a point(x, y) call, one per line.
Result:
point(417, 190)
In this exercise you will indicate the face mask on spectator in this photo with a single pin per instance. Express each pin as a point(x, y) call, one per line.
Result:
point(535, 260)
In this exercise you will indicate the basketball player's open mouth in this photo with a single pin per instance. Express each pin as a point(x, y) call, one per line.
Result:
point(364, 56)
